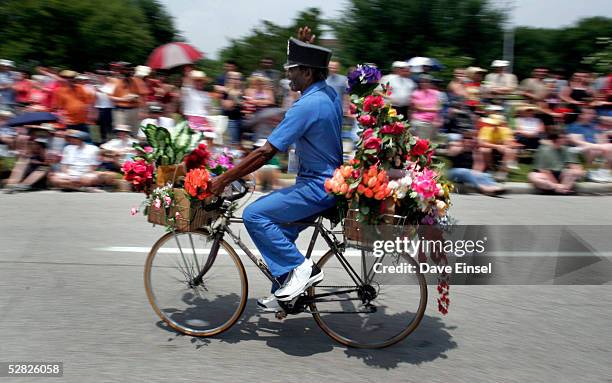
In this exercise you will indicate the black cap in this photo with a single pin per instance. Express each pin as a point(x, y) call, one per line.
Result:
point(300, 53)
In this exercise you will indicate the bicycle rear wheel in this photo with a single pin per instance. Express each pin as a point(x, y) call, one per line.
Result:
point(199, 308)
point(377, 313)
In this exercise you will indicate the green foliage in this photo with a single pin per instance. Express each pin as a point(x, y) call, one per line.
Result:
point(269, 40)
point(382, 31)
point(168, 148)
point(81, 34)
point(573, 48)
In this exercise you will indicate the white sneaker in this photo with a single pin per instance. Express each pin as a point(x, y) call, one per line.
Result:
point(302, 277)
point(269, 304)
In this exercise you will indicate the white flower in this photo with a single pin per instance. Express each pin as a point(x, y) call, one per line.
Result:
point(393, 185)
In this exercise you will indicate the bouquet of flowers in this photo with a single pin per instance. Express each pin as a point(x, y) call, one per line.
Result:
point(182, 170)
point(393, 174)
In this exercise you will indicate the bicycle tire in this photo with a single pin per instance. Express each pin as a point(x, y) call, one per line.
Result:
point(173, 323)
point(344, 340)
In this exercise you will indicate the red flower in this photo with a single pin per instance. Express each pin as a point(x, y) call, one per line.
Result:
point(198, 158)
point(196, 183)
point(372, 103)
point(367, 120)
point(372, 143)
point(421, 147)
point(394, 128)
point(352, 108)
point(139, 173)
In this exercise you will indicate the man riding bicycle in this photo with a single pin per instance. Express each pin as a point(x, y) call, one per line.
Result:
point(314, 125)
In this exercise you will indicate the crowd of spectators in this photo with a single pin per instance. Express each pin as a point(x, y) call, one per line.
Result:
point(487, 122)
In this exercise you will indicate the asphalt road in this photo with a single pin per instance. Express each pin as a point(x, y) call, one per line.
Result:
point(72, 291)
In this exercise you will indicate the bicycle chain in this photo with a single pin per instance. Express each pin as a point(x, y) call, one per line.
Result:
point(337, 287)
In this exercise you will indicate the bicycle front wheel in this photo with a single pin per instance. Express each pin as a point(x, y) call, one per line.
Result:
point(370, 309)
point(199, 307)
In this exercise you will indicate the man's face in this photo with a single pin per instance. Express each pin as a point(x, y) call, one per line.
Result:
point(229, 67)
point(500, 69)
point(297, 78)
point(460, 74)
point(587, 115)
point(540, 73)
point(333, 67)
point(404, 72)
point(266, 63)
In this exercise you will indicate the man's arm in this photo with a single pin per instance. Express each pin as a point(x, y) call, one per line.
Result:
point(253, 161)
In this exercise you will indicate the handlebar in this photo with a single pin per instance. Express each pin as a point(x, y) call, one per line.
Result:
point(238, 189)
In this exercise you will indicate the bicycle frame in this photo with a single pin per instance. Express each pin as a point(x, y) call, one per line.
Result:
point(319, 229)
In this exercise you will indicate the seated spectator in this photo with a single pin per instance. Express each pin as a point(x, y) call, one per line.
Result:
point(30, 171)
point(500, 84)
point(468, 165)
point(456, 87)
point(79, 164)
point(426, 108)
point(557, 169)
point(591, 141)
point(496, 142)
point(528, 128)
point(267, 177)
point(473, 85)
point(55, 148)
point(155, 117)
point(7, 133)
point(116, 151)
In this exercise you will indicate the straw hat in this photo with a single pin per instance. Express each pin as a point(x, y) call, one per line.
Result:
point(122, 128)
point(500, 64)
point(494, 120)
point(197, 75)
point(142, 71)
point(474, 69)
point(66, 73)
point(7, 63)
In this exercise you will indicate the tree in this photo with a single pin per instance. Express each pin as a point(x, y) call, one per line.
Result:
point(159, 22)
point(79, 34)
point(269, 40)
point(382, 31)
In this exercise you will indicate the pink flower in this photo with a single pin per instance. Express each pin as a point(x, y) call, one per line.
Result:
point(177, 214)
point(133, 211)
point(367, 120)
point(372, 103)
point(425, 184)
point(168, 201)
point(157, 203)
point(394, 128)
point(148, 149)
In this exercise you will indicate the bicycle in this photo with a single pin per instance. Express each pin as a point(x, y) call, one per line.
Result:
point(202, 291)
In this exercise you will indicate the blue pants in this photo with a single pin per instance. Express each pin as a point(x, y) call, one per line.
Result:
point(469, 176)
point(263, 219)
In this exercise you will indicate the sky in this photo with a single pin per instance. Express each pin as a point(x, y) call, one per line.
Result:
point(211, 24)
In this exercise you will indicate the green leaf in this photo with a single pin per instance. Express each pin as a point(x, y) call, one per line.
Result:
point(365, 210)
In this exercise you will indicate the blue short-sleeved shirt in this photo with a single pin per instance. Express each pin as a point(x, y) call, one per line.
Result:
point(314, 125)
point(588, 131)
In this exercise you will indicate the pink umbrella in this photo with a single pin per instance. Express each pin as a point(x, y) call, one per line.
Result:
point(173, 54)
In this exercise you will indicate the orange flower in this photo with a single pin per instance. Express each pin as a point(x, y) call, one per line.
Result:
point(368, 193)
point(196, 183)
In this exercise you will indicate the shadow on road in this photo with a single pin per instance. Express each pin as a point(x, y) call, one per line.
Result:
point(301, 336)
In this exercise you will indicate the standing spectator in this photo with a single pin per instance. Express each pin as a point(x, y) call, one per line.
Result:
point(72, 101)
point(7, 79)
point(497, 143)
point(337, 81)
point(104, 105)
point(528, 128)
point(402, 87)
point(196, 101)
point(78, 165)
point(468, 165)
point(22, 88)
point(228, 66)
point(456, 87)
point(127, 97)
point(259, 95)
point(592, 142)
point(395, 69)
point(426, 107)
point(534, 87)
point(231, 104)
point(266, 69)
point(557, 170)
point(500, 84)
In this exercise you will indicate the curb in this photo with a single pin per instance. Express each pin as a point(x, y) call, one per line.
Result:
point(584, 188)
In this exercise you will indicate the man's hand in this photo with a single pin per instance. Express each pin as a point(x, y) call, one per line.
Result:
point(216, 186)
point(305, 35)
